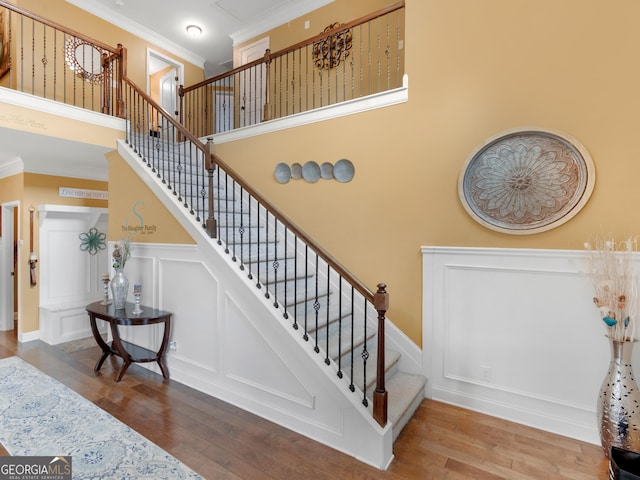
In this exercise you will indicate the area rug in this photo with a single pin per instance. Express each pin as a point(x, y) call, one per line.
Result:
point(80, 344)
point(39, 416)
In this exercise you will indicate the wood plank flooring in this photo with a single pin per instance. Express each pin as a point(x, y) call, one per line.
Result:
point(223, 442)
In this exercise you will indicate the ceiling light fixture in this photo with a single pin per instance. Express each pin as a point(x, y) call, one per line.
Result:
point(194, 31)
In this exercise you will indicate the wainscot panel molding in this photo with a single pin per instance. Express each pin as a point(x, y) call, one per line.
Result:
point(232, 344)
point(69, 278)
point(307, 396)
point(514, 333)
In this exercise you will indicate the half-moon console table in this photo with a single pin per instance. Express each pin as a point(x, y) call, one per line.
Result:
point(129, 352)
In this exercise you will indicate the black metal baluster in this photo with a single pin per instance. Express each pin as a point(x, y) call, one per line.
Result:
point(241, 229)
point(206, 189)
point(306, 293)
point(258, 245)
point(188, 152)
point(226, 212)
point(365, 357)
point(233, 222)
point(250, 227)
point(316, 305)
point(275, 263)
point(339, 327)
point(327, 360)
point(266, 254)
point(286, 271)
point(44, 61)
point(219, 174)
point(351, 350)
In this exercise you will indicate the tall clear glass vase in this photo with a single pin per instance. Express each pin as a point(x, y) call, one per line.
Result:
point(119, 289)
point(619, 401)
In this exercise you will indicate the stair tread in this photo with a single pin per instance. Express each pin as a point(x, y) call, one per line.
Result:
point(258, 255)
point(405, 393)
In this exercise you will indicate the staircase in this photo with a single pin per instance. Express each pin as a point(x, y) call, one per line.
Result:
point(296, 283)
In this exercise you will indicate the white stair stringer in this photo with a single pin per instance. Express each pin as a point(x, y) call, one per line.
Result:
point(333, 414)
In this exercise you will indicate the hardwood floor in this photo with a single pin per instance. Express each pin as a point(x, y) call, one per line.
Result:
point(222, 442)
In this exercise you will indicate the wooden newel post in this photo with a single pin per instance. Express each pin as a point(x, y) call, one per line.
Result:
point(121, 73)
point(266, 113)
point(209, 165)
point(381, 304)
point(106, 85)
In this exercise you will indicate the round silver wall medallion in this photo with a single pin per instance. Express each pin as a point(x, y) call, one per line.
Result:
point(526, 181)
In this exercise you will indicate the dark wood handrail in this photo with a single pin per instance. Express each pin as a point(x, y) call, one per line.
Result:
point(357, 284)
point(309, 41)
point(379, 300)
point(57, 26)
point(183, 131)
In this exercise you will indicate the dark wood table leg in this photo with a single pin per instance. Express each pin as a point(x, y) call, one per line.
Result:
point(117, 344)
point(106, 350)
point(163, 347)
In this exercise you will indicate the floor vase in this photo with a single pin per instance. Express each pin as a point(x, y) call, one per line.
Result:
point(619, 401)
point(119, 289)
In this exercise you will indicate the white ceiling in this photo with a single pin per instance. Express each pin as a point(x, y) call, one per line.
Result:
point(223, 22)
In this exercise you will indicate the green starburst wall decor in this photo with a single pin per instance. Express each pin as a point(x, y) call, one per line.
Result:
point(92, 241)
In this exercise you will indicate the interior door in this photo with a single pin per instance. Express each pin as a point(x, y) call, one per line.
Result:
point(252, 83)
point(8, 266)
point(168, 95)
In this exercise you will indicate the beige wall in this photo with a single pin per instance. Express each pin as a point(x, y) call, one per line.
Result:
point(342, 11)
point(475, 69)
point(77, 19)
point(135, 212)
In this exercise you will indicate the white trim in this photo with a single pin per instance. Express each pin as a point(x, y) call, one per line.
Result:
point(508, 311)
point(138, 30)
point(9, 235)
point(168, 60)
point(11, 167)
point(371, 102)
point(281, 16)
point(32, 102)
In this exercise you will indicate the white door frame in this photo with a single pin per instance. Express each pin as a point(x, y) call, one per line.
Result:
point(153, 57)
point(9, 236)
point(251, 109)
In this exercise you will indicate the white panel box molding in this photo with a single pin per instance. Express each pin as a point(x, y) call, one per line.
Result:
point(68, 278)
point(513, 333)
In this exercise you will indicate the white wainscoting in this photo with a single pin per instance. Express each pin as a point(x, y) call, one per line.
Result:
point(513, 333)
point(232, 344)
point(69, 278)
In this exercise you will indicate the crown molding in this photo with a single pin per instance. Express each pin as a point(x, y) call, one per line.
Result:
point(141, 31)
point(278, 16)
point(11, 167)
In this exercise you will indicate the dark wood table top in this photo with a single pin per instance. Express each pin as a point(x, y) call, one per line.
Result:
point(126, 316)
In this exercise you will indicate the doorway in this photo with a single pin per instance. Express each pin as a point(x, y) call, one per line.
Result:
point(253, 83)
point(9, 262)
point(164, 76)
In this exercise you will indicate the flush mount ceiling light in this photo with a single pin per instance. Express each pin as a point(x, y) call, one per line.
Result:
point(194, 31)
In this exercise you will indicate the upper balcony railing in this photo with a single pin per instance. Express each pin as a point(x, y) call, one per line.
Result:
point(345, 62)
point(43, 58)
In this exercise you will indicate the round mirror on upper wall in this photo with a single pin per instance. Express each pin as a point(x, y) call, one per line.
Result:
point(526, 181)
point(84, 59)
